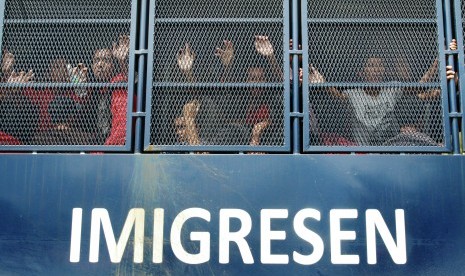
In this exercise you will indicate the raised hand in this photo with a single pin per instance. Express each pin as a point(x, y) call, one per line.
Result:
point(78, 74)
point(314, 76)
point(21, 77)
point(225, 53)
point(263, 46)
point(120, 49)
point(8, 62)
point(186, 58)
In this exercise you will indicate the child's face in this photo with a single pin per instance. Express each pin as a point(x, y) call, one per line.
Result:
point(374, 70)
point(102, 65)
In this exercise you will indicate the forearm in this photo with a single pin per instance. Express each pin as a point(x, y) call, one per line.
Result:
point(432, 71)
point(226, 75)
point(189, 75)
point(277, 70)
point(192, 133)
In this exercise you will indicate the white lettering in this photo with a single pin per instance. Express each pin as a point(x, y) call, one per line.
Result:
point(337, 236)
point(76, 228)
point(203, 237)
point(135, 217)
point(266, 236)
point(398, 251)
point(237, 237)
point(158, 224)
point(308, 236)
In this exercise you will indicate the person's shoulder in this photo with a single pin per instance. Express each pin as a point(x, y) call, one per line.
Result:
point(119, 78)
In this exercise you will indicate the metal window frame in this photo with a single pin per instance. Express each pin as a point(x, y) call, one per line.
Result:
point(219, 148)
point(130, 86)
point(457, 4)
point(308, 148)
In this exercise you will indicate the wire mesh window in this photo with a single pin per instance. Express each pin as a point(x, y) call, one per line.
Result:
point(65, 73)
point(372, 75)
point(218, 75)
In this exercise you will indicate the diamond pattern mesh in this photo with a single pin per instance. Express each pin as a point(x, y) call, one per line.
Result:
point(362, 9)
point(373, 74)
point(218, 74)
point(64, 72)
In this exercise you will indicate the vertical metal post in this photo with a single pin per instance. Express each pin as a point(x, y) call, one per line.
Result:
point(296, 137)
point(141, 74)
point(2, 23)
point(451, 83)
point(458, 13)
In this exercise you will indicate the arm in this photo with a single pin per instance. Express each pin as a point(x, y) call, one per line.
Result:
point(316, 77)
point(226, 55)
point(21, 77)
point(78, 75)
point(8, 63)
point(264, 48)
point(429, 75)
point(120, 52)
point(186, 126)
point(433, 93)
point(450, 75)
point(257, 132)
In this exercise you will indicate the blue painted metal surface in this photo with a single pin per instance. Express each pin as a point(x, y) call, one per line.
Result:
point(39, 192)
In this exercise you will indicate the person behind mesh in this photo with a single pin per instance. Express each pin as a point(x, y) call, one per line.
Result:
point(60, 71)
point(19, 116)
point(257, 118)
point(374, 121)
point(110, 105)
point(62, 112)
point(410, 133)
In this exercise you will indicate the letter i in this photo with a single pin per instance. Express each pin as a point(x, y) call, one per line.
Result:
point(158, 224)
point(76, 227)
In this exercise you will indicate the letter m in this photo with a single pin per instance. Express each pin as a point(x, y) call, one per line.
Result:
point(135, 217)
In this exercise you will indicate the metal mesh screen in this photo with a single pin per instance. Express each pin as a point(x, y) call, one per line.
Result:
point(373, 74)
point(218, 74)
point(65, 72)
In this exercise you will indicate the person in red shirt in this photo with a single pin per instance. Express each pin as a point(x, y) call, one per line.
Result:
point(103, 69)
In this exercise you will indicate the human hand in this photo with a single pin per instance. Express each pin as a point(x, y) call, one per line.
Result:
point(263, 46)
point(453, 45)
point(120, 49)
point(450, 74)
point(186, 58)
point(314, 76)
point(225, 53)
point(21, 77)
point(8, 62)
point(78, 74)
point(432, 94)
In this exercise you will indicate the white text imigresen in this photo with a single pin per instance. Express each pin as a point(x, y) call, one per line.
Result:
point(135, 220)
